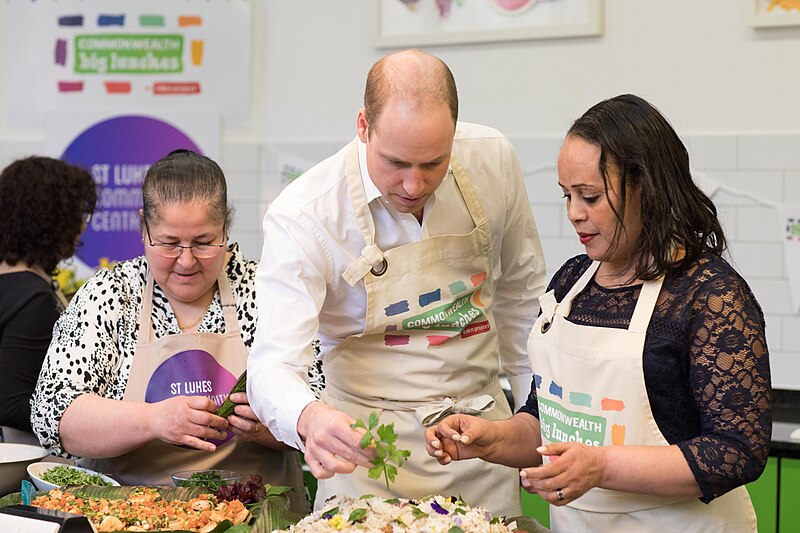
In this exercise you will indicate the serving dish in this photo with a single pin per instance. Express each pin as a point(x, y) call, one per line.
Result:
point(211, 478)
point(14, 459)
point(36, 470)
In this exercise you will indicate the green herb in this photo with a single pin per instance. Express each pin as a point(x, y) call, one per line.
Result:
point(392, 501)
point(385, 450)
point(455, 529)
point(417, 512)
point(459, 510)
point(64, 475)
point(209, 478)
point(357, 516)
point(330, 513)
point(227, 407)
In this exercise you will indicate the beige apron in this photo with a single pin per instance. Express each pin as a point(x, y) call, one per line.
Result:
point(429, 348)
point(591, 389)
point(195, 364)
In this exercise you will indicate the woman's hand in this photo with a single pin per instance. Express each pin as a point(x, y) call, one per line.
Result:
point(573, 469)
point(244, 423)
point(187, 421)
point(459, 437)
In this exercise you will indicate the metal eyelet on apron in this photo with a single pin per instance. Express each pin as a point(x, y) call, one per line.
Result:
point(546, 326)
point(382, 268)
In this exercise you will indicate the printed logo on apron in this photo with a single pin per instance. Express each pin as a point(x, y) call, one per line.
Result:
point(191, 373)
point(560, 424)
point(456, 318)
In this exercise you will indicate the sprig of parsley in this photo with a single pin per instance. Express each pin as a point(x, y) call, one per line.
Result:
point(386, 451)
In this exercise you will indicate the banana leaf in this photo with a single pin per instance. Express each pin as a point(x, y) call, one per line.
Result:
point(272, 514)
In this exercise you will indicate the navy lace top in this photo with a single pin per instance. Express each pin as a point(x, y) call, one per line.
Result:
point(706, 365)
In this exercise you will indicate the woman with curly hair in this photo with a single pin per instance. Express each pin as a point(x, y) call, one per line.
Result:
point(44, 206)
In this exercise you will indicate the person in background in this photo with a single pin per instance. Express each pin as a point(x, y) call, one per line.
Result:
point(146, 352)
point(44, 207)
point(651, 400)
point(414, 254)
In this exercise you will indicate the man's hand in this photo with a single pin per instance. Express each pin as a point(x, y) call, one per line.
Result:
point(332, 446)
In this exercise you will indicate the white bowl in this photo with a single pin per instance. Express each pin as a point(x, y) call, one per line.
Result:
point(36, 470)
point(14, 459)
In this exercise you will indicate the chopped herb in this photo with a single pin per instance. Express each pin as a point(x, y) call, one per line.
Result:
point(64, 475)
point(386, 451)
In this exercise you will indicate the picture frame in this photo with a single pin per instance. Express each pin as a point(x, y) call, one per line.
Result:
point(772, 13)
point(413, 23)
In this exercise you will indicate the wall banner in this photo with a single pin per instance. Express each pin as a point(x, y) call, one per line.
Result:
point(118, 150)
point(149, 53)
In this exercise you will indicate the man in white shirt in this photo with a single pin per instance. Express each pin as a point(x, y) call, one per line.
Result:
point(413, 255)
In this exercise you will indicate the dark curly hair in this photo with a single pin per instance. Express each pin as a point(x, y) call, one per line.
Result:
point(636, 138)
point(43, 204)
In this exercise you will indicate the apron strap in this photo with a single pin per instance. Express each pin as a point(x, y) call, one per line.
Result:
point(225, 295)
point(427, 412)
point(468, 192)
point(145, 315)
point(645, 305)
point(565, 306)
point(228, 301)
point(431, 414)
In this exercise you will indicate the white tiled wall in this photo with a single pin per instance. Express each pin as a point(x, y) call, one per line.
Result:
point(749, 176)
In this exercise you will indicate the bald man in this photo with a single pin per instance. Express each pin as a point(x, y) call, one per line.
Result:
point(413, 255)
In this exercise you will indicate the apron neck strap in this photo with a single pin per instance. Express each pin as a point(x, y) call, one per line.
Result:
point(225, 296)
point(228, 301)
point(645, 304)
point(565, 306)
point(468, 192)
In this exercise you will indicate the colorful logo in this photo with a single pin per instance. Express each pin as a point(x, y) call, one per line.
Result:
point(191, 373)
point(559, 424)
point(454, 316)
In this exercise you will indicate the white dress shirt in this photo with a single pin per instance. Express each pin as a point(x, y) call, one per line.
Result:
point(311, 236)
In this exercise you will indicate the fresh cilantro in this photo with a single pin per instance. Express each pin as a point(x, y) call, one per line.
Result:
point(385, 450)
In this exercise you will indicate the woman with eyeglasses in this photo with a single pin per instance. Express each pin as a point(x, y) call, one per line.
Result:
point(43, 205)
point(146, 352)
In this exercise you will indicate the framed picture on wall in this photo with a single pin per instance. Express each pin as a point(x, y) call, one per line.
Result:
point(772, 13)
point(402, 23)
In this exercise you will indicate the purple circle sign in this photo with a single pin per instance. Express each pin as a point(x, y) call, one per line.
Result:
point(118, 152)
point(191, 373)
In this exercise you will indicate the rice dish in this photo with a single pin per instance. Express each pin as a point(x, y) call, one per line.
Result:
point(433, 514)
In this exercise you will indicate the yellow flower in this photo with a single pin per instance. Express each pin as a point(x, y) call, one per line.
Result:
point(336, 522)
point(64, 277)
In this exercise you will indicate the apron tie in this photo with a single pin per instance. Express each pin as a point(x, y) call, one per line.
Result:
point(431, 414)
point(371, 259)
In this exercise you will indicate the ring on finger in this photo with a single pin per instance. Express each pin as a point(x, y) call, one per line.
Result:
point(560, 494)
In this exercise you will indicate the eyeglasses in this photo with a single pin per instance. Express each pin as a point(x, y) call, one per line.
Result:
point(173, 251)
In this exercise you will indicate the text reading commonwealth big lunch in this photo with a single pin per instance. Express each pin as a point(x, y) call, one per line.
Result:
point(155, 43)
point(570, 420)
